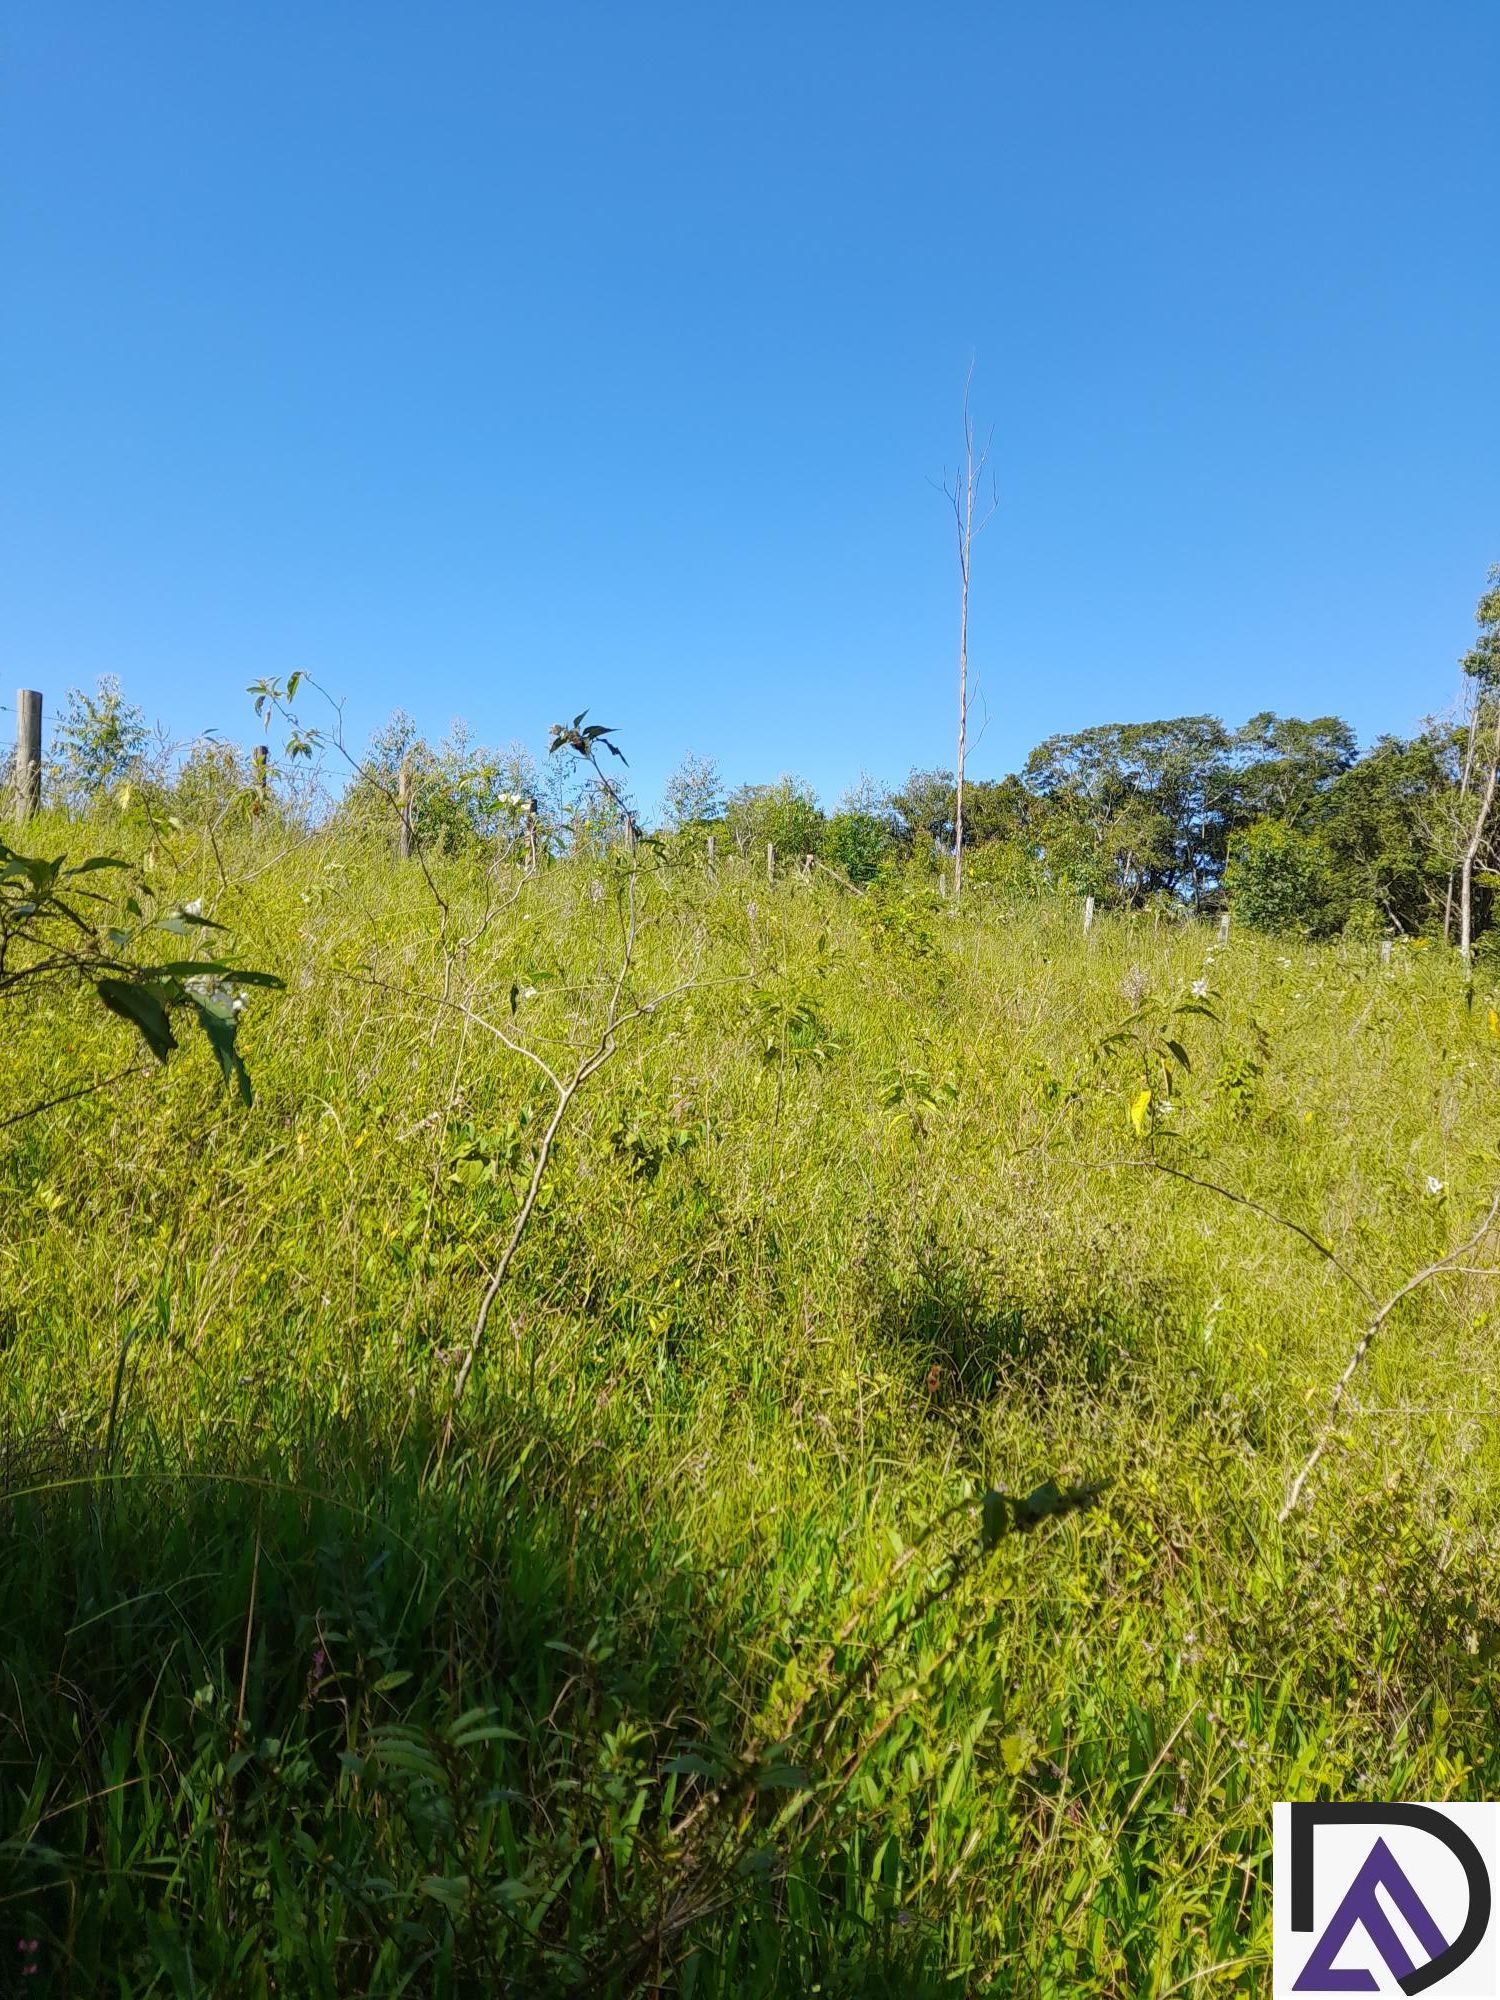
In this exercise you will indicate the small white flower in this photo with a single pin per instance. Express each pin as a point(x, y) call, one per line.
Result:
point(1434, 1185)
point(1200, 989)
point(194, 908)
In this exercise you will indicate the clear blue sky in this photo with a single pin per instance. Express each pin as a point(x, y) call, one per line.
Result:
point(498, 360)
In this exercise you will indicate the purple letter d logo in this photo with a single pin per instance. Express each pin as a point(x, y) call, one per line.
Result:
point(1361, 1908)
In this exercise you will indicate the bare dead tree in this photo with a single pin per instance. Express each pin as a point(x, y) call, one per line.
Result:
point(1450, 897)
point(1475, 834)
point(1481, 766)
point(970, 517)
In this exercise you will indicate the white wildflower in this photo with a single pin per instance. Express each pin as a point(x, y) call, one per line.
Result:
point(1434, 1185)
point(1200, 989)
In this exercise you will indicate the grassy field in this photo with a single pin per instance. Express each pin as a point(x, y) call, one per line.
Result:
point(690, 1656)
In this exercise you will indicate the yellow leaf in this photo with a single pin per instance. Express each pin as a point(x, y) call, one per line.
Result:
point(1140, 1113)
point(1494, 1022)
point(1016, 1751)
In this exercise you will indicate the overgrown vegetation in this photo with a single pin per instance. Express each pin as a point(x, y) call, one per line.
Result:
point(853, 1564)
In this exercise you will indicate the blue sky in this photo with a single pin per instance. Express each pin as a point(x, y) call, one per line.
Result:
point(499, 360)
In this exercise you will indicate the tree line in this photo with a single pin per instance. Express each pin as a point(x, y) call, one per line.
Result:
point(1280, 817)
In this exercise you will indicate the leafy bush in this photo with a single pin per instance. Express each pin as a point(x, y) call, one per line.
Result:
point(786, 814)
point(54, 931)
point(213, 779)
point(462, 795)
point(1366, 922)
point(1282, 881)
point(693, 795)
point(860, 843)
point(101, 742)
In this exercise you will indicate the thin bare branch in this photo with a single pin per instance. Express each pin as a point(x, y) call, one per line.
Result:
point(1450, 1262)
point(70, 1096)
point(1248, 1201)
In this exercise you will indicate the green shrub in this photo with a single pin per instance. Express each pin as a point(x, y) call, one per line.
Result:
point(1282, 881)
point(100, 743)
point(860, 843)
point(786, 814)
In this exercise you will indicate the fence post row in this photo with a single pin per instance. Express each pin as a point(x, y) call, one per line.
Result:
point(28, 768)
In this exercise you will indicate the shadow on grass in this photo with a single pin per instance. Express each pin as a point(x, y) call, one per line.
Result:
point(335, 1721)
point(973, 1328)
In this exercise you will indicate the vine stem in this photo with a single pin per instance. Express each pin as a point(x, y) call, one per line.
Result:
point(1362, 1348)
point(1451, 1261)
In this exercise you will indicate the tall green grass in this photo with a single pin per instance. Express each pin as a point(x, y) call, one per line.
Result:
point(646, 1678)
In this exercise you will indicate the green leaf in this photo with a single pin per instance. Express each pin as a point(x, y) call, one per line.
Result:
point(784, 1778)
point(1017, 1751)
point(1180, 1054)
point(483, 1732)
point(98, 861)
point(412, 1758)
point(688, 1764)
point(143, 1008)
point(218, 1021)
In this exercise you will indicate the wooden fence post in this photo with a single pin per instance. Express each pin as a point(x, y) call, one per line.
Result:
point(259, 763)
point(943, 883)
point(403, 806)
point(1088, 915)
point(770, 861)
point(1224, 928)
point(28, 771)
point(710, 850)
point(1385, 951)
